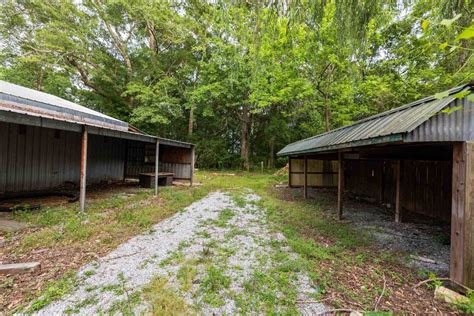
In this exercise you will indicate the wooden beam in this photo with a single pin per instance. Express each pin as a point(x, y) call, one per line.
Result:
point(157, 165)
point(397, 191)
point(289, 172)
point(15, 268)
point(83, 176)
point(193, 158)
point(462, 223)
point(340, 185)
point(305, 186)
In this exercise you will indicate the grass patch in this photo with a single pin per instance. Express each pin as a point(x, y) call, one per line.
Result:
point(55, 290)
point(213, 285)
point(186, 275)
point(163, 300)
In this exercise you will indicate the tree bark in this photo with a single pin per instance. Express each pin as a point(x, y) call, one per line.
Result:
point(244, 137)
point(191, 121)
point(271, 162)
point(327, 114)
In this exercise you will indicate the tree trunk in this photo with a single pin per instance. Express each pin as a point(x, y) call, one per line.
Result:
point(271, 162)
point(244, 137)
point(327, 114)
point(191, 121)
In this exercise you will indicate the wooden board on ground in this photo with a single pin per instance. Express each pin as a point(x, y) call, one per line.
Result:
point(15, 268)
point(7, 225)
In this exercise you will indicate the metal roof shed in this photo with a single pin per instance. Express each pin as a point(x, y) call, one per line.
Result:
point(46, 141)
point(420, 157)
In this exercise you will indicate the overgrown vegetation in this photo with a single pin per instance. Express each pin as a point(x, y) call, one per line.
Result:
point(239, 78)
point(342, 261)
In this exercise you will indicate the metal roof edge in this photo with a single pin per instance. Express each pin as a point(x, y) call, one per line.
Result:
point(388, 112)
point(363, 142)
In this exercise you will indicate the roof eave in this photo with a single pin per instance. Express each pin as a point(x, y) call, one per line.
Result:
point(392, 138)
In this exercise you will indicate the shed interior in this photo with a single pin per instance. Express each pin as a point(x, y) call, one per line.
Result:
point(34, 158)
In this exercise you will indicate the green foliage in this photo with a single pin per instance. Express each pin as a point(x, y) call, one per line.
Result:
point(54, 290)
point(239, 78)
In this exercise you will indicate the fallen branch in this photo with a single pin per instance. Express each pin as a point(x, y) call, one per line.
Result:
point(430, 280)
point(441, 279)
point(381, 294)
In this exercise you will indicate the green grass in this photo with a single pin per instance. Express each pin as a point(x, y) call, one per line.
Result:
point(163, 300)
point(328, 249)
point(54, 290)
point(213, 285)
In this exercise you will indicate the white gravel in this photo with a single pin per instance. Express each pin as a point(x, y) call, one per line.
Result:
point(231, 233)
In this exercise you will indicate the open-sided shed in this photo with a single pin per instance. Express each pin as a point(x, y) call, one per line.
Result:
point(47, 142)
point(418, 157)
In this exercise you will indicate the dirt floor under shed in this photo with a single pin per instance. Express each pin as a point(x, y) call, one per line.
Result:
point(423, 242)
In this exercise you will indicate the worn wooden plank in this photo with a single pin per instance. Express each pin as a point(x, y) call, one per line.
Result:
point(340, 186)
point(15, 268)
point(469, 218)
point(83, 179)
point(7, 225)
point(456, 268)
point(289, 171)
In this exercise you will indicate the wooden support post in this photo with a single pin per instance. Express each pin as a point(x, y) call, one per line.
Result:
point(397, 191)
point(157, 165)
point(461, 268)
point(289, 172)
point(193, 157)
point(340, 185)
point(305, 185)
point(83, 175)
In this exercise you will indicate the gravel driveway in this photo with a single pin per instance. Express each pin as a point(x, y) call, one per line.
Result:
point(220, 255)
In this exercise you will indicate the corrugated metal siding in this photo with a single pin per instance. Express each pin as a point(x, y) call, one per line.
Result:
point(180, 170)
point(44, 158)
point(393, 125)
point(106, 158)
point(457, 125)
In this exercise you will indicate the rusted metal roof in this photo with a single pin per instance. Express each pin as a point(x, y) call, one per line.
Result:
point(17, 98)
point(30, 107)
point(390, 126)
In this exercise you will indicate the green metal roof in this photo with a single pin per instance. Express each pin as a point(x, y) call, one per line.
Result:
point(389, 126)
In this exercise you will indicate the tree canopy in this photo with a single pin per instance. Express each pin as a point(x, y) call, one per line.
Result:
point(240, 78)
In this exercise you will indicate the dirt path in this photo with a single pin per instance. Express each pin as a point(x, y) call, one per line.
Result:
point(220, 255)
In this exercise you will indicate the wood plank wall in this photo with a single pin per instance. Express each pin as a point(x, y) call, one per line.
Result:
point(172, 159)
point(321, 173)
point(425, 185)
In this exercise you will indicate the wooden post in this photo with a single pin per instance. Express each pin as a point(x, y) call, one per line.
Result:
point(83, 175)
point(397, 191)
point(157, 165)
point(193, 157)
point(289, 172)
point(305, 186)
point(340, 185)
point(461, 268)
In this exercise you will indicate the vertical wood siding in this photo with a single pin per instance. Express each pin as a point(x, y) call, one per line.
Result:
point(172, 159)
point(425, 185)
point(320, 173)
